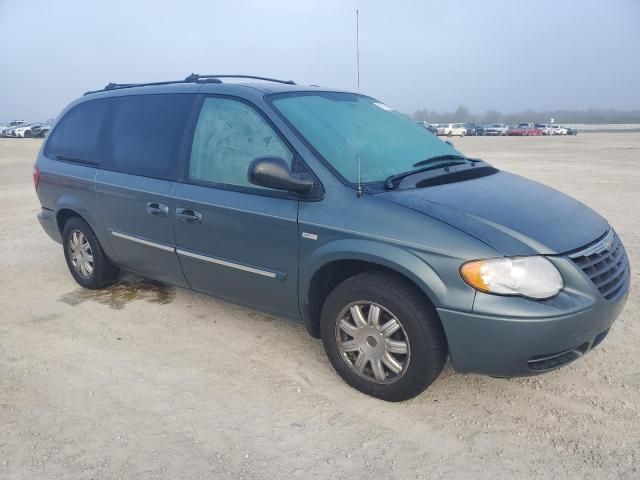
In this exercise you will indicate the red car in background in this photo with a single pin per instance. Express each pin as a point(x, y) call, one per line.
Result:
point(524, 129)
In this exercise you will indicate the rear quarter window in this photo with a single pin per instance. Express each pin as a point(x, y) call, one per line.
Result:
point(145, 134)
point(77, 134)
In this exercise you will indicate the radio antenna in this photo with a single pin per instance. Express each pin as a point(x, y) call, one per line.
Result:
point(359, 193)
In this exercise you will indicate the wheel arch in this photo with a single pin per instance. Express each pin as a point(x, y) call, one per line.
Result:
point(67, 207)
point(335, 262)
point(63, 215)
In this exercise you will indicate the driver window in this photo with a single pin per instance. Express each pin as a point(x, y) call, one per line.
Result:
point(228, 136)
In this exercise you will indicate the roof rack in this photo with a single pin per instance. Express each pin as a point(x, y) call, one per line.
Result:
point(193, 78)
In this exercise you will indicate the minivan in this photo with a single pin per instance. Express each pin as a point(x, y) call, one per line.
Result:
point(331, 209)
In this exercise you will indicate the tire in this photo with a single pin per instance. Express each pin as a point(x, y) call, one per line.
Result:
point(102, 272)
point(419, 329)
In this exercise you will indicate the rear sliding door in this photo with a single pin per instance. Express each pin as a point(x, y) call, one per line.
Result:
point(142, 149)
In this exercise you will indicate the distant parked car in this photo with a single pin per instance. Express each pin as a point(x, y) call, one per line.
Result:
point(4, 129)
point(474, 129)
point(558, 130)
point(25, 130)
point(529, 129)
point(546, 128)
point(452, 129)
point(41, 130)
point(429, 127)
point(10, 132)
point(571, 131)
point(516, 130)
point(496, 129)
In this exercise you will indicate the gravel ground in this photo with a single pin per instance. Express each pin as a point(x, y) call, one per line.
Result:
point(148, 381)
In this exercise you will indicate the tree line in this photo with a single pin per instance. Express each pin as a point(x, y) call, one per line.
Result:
point(592, 115)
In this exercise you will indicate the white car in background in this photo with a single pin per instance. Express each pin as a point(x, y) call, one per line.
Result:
point(496, 129)
point(4, 129)
point(24, 130)
point(558, 130)
point(545, 127)
point(451, 129)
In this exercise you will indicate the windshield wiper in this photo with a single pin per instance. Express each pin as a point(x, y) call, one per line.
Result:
point(66, 158)
point(447, 156)
point(429, 164)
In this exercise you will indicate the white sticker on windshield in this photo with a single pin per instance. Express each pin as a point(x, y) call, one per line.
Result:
point(383, 106)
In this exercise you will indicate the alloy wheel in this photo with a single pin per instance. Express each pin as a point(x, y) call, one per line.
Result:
point(372, 342)
point(81, 254)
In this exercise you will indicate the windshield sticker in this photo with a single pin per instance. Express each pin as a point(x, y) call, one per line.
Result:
point(383, 106)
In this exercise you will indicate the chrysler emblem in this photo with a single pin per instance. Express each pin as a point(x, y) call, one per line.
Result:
point(607, 243)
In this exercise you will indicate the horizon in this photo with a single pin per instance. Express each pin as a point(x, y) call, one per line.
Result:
point(621, 117)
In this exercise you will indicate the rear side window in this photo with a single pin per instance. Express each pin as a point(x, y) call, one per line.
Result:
point(76, 135)
point(145, 134)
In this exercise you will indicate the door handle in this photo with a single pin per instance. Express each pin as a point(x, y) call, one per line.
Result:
point(157, 209)
point(188, 216)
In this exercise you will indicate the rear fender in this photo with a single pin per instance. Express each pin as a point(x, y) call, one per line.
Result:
point(67, 202)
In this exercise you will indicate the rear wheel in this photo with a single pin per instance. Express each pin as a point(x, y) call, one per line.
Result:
point(85, 258)
point(382, 336)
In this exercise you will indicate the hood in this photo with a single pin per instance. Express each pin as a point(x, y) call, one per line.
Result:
point(514, 215)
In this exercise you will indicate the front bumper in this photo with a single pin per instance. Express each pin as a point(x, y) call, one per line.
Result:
point(512, 346)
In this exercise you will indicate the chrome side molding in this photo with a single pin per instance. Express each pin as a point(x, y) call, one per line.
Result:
point(237, 266)
point(198, 256)
point(166, 248)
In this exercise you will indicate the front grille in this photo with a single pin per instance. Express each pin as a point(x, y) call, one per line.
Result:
point(605, 263)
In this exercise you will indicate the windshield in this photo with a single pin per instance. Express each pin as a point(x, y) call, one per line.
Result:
point(390, 143)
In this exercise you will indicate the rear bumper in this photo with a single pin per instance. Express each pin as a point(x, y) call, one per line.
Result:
point(47, 219)
point(512, 347)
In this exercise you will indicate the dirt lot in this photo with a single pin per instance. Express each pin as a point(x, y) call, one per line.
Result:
point(147, 381)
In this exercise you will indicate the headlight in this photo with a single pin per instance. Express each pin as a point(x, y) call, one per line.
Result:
point(533, 277)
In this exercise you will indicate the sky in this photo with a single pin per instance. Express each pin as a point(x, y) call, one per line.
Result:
point(506, 55)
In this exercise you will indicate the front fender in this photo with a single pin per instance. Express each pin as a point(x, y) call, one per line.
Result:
point(419, 267)
point(400, 260)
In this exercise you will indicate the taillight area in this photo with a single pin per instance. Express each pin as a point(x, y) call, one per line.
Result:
point(36, 176)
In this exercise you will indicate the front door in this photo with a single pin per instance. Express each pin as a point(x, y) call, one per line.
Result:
point(235, 240)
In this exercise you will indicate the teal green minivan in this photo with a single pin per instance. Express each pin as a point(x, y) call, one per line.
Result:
point(331, 209)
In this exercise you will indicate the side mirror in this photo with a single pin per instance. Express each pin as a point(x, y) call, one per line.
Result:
point(273, 172)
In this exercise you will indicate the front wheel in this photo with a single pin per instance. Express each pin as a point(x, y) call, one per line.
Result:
point(382, 336)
